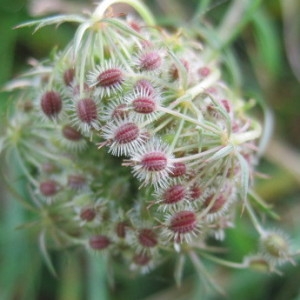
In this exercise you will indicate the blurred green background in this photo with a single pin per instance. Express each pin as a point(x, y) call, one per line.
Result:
point(265, 45)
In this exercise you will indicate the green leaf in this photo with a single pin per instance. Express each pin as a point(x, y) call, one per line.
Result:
point(267, 42)
point(58, 19)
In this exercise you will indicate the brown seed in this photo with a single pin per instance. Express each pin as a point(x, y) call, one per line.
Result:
point(87, 214)
point(51, 104)
point(70, 133)
point(76, 181)
point(110, 77)
point(121, 229)
point(141, 259)
point(183, 222)
point(147, 238)
point(150, 61)
point(49, 188)
point(127, 133)
point(144, 105)
point(69, 76)
point(174, 194)
point(218, 204)
point(87, 110)
point(99, 242)
point(154, 161)
point(179, 169)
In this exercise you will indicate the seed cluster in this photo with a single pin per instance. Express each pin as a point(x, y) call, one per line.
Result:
point(146, 147)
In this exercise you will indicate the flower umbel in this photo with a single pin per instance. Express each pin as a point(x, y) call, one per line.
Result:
point(151, 151)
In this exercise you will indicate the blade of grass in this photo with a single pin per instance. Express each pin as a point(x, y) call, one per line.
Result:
point(267, 42)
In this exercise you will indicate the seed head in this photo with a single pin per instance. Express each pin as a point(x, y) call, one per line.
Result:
point(87, 214)
point(146, 86)
point(119, 112)
point(71, 134)
point(76, 181)
point(110, 77)
point(147, 238)
point(226, 104)
point(150, 61)
point(49, 188)
point(126, 133)
point(134, 25)
point(107, 79)
point(154, 161)
point(144, 105)
point(49, 168)
point(151, 163)
point(122, 136)
point(141, 259)
point(120, 229)
point(258, 262)
point(174, 72)
point(68, 76)
point(195, 192)
point(275, 245)
point(87, 110)
point(218, 203)
point(174, 194)
point(179, 169)
point(204, 71)
point(183, 222)
point(99, 242)
point(51, 104)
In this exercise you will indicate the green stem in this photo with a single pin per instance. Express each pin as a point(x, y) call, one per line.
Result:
point(187, 118)
point(253, 218)
point(202, 271)
point(198, 155)
point(178, 131)
point(204, 84)
point(224, 262)
point(240, 138)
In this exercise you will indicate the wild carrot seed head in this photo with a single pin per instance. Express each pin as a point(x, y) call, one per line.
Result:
point(49, 188)
point(150, 61)
point(147, 238)
point(183, 222)
point(87, 110)
point(174, 194)
point(110, 77)
point(99, 242)
point(51, 104)
point(71, 133)
point(126, 133)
